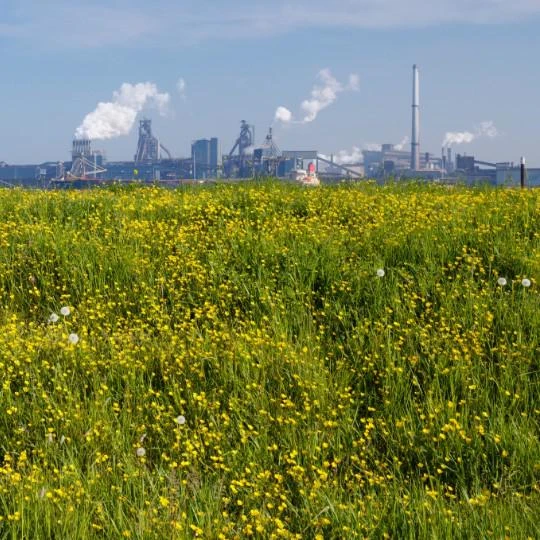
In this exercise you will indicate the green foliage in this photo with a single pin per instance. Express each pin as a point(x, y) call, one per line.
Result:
point(242, 370)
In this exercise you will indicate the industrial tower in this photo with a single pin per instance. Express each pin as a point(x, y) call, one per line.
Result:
point(148, 146)
point(84, 161)
point(415, 139)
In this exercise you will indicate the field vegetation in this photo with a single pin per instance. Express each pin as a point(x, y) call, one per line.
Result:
point(267, 361)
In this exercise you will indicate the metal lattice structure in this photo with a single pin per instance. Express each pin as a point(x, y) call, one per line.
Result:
point(148, 146)
point(84, 163)
point(241, 165)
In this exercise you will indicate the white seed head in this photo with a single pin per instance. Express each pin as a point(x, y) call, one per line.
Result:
point(502, 281)
point(526, 282)
point(380, 272)
point(65, 311)
point(180, 420)
point(53, 317)
point(141, 452)
point(73, 339)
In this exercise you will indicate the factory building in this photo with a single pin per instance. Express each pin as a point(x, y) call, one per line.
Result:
point(29, 175)
point(389, 161)
point(206, 158)
point(152, 162)
point(148, 147)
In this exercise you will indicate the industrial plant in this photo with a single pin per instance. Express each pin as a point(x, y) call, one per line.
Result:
point(154, 163)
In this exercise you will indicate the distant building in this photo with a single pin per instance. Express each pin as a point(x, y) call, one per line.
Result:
point(206, 157)
point(511, 176)
point(390, 160)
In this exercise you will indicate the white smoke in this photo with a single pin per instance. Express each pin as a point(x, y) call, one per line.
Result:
point(458, 137)
point(373, 147)
point(354, 82)
point(116, 118)
point(322, 96)
point(486, 129)
point(345, 157)
point(181, 87)
point(401, 146)
point(283, 115)
point(348, 157)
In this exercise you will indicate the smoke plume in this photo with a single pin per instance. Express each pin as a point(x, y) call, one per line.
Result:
point(401, 146)
point(348, 157)
point(283, 115)
point(322, 96)
point(116, 118)
point(486, 129)
point(181, 87)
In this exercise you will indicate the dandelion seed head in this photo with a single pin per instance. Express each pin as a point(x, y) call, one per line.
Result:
point(65, 311)
point(380, 272)
point(53, 317)
point(502, 281)
point(141, 452)
point(73, 339)
point(526, 282)
point(180, 420)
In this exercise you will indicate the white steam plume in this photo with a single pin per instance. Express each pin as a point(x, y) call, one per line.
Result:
point(373, 147)
point(345, 157)
point(283, 115)
point(181, 87)
point(116, 118)
point(348, 157)
point(486, 129)
point(401, 146)
point(322, 96)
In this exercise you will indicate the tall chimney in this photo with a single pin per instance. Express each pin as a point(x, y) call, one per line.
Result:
point(415, 144)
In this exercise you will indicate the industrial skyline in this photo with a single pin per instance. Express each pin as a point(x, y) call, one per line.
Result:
point(475, 62)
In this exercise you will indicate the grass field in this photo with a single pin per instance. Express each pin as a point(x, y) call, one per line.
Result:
point(232, 362)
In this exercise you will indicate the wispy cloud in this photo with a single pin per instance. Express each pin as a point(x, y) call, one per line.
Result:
point(127, 22)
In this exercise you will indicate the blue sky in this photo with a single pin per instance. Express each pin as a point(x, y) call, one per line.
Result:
point(243, 59)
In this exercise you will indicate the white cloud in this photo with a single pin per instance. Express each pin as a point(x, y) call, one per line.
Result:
point(126, 22)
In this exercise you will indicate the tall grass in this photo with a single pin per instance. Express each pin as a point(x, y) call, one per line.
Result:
point(320, 400)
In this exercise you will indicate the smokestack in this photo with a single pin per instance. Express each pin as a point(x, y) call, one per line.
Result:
point(450, 167)
point(415, 145)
